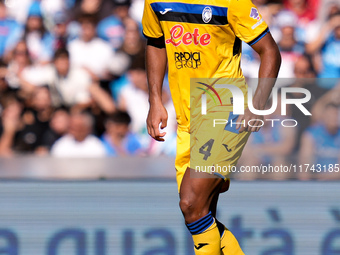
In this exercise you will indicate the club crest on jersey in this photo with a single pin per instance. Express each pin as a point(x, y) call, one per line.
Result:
point(254, 13)
point(207, 14)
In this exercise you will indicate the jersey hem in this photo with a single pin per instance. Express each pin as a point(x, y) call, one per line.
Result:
point(259, 37)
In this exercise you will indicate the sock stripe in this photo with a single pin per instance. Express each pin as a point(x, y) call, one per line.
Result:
point(203, 228)
point(201, 225)
point(204, 223)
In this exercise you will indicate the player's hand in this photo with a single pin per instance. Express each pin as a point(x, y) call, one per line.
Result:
point(255, 121)
point(157, 115)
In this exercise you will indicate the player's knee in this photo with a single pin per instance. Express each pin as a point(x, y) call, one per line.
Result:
point(191, 210)
point(186, 205)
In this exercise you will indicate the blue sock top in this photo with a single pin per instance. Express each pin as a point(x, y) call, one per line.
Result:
point(201, 225)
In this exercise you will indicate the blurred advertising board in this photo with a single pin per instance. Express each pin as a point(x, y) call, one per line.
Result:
point(143, 218)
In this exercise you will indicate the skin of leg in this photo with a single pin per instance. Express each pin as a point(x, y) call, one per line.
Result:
point(197, 195)
point(213, 205)
point(225, 186)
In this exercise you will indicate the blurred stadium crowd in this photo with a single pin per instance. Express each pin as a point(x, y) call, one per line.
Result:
point(73, 81)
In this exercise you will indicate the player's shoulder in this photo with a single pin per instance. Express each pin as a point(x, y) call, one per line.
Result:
point(239, 4)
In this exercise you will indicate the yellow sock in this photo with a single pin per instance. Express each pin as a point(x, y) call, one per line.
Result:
point(208, 242)
point(229, 244)
point(206, 236)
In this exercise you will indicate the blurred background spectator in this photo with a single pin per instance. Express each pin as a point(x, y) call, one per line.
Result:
point(99, 8)
point(304, 78)
point(10, 30)
point(320, 143)
point(118, 138)
point(288, 43)
point(73, 81)
point(35, 120)
point(9, 124)
point(111, 28)
point(19, 62)
point(38, 39)
point(61, 35)
point(79, 142)
point(58, 127)
point(94, 47)
point(68, 84)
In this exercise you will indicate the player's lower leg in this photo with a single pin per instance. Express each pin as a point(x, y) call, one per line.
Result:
point(229, 244)
point(196, 195)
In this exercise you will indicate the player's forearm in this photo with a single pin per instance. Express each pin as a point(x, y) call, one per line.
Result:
point(269, 69)
point(156, 64)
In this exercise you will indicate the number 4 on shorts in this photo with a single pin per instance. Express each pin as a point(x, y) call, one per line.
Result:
point(206, 149)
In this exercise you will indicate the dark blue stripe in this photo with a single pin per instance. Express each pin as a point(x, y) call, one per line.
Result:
point(259, 37)
point(198, 221)
point(188, 8)
point(200, 224)
point(203, 228)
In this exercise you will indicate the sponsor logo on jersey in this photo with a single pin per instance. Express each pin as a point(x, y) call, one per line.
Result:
point(187, 60)
point(257, 24)
point(254, 13)
point(165, 11)
point(207, 14)
point(200, 245)
point(228, 150)
point(179, 36)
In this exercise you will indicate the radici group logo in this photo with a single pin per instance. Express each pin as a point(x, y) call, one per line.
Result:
point(187, 60)
point(279, 97)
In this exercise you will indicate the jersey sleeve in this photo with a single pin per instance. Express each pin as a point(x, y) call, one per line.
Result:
point(151, 26)
point(246, 21)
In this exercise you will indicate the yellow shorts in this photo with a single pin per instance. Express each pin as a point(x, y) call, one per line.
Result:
point(220, 147)
point(209, 145)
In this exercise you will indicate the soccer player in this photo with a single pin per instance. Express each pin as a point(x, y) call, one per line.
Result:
point(202, 39)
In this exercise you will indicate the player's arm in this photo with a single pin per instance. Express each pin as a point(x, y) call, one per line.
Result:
point(155, 65)
point(249, 26)
point(269, 68)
